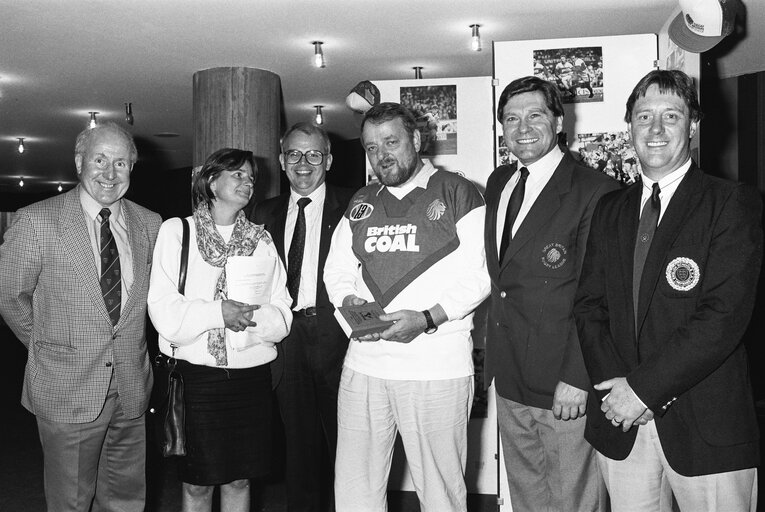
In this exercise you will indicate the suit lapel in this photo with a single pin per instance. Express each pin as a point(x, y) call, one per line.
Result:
point(683, 201)
point(544, 207)
point(492, 199)
point(76, 245)
point(329, 219)
point(277, 228)
point(139, 249)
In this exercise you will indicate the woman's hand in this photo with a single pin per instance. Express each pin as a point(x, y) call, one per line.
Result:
point(237, 315)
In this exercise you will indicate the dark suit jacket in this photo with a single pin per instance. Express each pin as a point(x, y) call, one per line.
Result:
point(51, 298)
point(531, 338)
point(273, 213)
point(687, 362)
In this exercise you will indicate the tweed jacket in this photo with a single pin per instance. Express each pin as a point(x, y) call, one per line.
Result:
point(51, 298)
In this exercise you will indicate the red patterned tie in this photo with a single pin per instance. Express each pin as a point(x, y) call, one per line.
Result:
point(111, 287)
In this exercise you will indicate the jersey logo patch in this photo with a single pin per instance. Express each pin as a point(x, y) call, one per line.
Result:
point(435, 209)
point(683, 274)
point(554, 255)
point(361, 211)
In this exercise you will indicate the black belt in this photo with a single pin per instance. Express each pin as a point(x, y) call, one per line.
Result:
point(305, 312)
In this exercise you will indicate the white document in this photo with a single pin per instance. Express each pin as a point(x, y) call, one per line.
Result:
point(249, 280)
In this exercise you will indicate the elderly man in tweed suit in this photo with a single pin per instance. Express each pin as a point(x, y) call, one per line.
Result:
point(74, 273)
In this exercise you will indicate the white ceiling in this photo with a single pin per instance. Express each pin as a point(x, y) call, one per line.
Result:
point(61, 59)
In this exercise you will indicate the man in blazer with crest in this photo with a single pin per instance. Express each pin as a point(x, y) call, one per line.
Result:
point(666, 293)
point(74, 273)
point(538, 217)
point(306, 373)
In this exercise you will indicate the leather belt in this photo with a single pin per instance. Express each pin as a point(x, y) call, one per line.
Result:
point(305, 312)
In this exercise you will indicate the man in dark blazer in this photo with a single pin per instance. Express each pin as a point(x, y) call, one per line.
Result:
point(306, 374)
point(534, 250)
point(88, 376)
point(663, 340)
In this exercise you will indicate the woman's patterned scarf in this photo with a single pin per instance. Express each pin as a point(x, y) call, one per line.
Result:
point(215, 251)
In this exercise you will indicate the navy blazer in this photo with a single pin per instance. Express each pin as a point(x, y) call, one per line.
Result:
point(531, 338)
point(686, 361)
point(273, 213)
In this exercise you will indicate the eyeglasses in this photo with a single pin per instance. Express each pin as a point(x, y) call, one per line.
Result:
point(313, 157)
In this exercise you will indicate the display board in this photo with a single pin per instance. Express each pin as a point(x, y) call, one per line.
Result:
point(454, 116)
point(595, 76)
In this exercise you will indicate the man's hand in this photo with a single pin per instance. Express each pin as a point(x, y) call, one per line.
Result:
point(645, 418)
point(353, 300)
point(621, 405)
point(408, 325)
point(569, 403)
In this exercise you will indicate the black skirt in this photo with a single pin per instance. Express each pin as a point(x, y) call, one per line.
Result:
point(228, 424)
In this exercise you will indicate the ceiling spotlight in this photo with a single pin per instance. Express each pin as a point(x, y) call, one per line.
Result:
point(129, 113)
point(417, 72)
point(318, 54)
point(475, 39)
point(21, 182)
point(60, 188)
point(319, 114)
point(21, 144)
point(93, 122)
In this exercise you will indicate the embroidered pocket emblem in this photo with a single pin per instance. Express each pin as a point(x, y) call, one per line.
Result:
point(683, 274)
point(554, 255)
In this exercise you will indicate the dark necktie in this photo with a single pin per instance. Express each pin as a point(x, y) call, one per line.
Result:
point(111, 287)
point(295, 256)
point(649, 219)
point(513, 207)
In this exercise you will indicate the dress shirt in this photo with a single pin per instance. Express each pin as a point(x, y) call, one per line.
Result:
point(118, 226)
point(309, 271)
point(540, 173)
point(668, 185)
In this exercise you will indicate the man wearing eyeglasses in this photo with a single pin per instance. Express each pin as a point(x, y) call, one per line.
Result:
point(306, 374)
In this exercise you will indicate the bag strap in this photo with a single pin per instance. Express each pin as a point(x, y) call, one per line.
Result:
point(184, 257)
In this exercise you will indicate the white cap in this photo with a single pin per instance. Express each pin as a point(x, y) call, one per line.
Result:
point(703, 23)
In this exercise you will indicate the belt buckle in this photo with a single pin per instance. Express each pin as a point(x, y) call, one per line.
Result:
point(310, 311)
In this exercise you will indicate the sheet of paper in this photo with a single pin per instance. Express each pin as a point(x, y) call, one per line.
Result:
point(249, 280)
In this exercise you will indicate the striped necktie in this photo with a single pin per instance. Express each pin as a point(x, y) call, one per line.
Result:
point(111, 287)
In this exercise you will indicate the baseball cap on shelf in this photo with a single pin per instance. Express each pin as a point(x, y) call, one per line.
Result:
point(703, 23)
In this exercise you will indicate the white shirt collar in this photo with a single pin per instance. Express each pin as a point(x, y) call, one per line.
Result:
point(667, 180)
point(545, 166)
point(316, 197)
point(93, 208)
point(421, 180)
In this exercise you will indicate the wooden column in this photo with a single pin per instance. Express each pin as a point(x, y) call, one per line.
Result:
point(239, 108)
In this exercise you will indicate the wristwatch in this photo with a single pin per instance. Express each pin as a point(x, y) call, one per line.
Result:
point(432, 327)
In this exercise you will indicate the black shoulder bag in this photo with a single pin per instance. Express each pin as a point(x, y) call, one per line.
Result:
point(170, 410)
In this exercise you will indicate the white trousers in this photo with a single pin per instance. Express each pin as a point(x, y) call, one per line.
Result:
point(644, 482)
point(432, 418)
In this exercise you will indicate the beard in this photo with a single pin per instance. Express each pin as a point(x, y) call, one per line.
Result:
point(397, 174)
